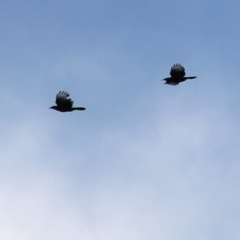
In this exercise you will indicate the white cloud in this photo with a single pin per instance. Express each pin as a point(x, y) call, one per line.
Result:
point(175, 178)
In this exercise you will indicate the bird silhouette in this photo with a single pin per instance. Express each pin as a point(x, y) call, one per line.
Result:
point(64, 103)
point(177, 75)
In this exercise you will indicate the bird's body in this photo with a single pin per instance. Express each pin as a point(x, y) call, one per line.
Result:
point(177, 75)
point(64, 103)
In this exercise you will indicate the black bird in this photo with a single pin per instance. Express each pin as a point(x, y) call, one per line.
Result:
point(64, 103)
point(177, 75)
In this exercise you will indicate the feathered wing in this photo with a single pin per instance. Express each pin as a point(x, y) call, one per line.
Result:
point(177, 71)
point(63, 100)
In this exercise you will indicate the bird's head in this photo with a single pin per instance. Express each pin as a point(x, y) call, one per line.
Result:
point(53, 107)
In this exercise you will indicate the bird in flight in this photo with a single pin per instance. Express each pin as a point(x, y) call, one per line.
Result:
point(64, 103)
point(177, 75)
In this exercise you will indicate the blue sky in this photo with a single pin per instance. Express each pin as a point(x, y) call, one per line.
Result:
point(145, 160)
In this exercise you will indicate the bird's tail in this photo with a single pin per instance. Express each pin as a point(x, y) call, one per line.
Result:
point(79, 108)
point(190, 77)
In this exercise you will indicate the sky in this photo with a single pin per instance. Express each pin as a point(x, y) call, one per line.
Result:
point(145, 160)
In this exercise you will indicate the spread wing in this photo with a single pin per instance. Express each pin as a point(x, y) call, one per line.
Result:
point(177, 71)
point(63, 100)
